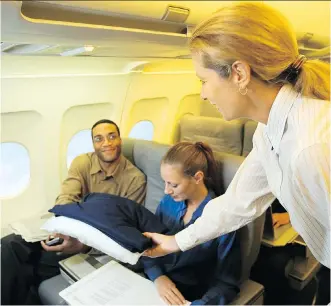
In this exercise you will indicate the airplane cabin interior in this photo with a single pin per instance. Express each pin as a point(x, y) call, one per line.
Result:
point(67, 64)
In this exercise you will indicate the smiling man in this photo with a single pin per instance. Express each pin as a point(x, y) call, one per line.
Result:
point(24, 265)
point(104, 170)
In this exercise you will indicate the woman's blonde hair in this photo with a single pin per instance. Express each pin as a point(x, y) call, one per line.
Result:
point(261, 36)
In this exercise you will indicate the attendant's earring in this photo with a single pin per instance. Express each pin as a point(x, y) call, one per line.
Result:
point(242, 91)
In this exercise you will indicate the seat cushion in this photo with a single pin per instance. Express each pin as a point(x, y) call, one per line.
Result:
point(119, 218)
point(49, 290)
point(249, 130)
point(90, 236)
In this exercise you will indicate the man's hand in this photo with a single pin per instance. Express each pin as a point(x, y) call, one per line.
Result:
point(168, 291)
point(279, 219)
point(165, 245)
point(69, 245)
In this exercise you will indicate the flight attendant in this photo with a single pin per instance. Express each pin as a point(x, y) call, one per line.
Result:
point(246, 56)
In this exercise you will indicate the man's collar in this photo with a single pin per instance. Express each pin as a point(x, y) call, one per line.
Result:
point(119, 168)
point(95, 168)
point(278, 115)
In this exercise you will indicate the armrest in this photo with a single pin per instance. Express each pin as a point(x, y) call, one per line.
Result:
point(304, 269)
point(251, 293)
point(49, 290)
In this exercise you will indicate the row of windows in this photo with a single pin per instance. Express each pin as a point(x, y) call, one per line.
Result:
point(15, 160)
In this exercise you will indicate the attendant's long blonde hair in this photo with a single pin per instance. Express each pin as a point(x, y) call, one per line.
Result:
point(261, 36)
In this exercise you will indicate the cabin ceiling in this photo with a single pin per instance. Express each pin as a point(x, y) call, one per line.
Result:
point(306, 17)
point(24, 32)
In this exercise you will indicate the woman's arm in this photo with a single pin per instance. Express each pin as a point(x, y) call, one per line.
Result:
point(311, 179)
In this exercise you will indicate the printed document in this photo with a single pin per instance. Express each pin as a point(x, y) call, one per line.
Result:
point(112, 284)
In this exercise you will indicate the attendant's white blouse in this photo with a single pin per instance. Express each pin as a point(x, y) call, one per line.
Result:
point(290, 160)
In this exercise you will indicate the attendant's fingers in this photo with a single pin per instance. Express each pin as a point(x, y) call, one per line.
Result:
point(155, 252)
point(157, 238)
point(179, 296)
point(172, 298)
point(164, 298)
point(146, 253)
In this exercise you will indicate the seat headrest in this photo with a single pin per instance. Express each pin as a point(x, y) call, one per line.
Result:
point(209, 110)
point(221, 135)
point(227, 166)
point(127, 148)
point(147, 157)
point(249, 130)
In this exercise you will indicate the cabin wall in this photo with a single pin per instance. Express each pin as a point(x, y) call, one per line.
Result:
point(147, 89)
point(42, 109)
point(47, 100)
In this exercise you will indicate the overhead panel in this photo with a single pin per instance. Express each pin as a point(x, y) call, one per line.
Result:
point(176, 14)
point(310, 16)
point(153, 29)
point(20, 30)
point(149, 9)
point(47, 12)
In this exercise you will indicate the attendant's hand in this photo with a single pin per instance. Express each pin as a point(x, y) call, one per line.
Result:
point(168, 291)
point(68, 246)
point(280, 219)
point(164, 245)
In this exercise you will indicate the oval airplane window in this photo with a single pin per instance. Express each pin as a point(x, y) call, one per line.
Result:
point(142, 130)
point(14, 169)
point(80, 143)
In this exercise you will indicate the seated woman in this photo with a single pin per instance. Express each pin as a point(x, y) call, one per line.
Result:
point(210, 272)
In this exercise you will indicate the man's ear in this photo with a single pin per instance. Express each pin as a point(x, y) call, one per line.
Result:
point(198, 177)
point(241, 74)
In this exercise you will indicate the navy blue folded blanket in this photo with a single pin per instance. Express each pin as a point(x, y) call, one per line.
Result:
point(119, 218)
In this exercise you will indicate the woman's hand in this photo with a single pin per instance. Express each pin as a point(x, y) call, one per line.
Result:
point(69, 245)
point(168, 291)
point(280, 219)
point(164, 245)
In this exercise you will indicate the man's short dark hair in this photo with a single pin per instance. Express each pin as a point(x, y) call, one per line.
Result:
point(105, 121)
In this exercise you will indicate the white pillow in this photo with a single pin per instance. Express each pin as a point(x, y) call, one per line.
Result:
point(90, 236)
